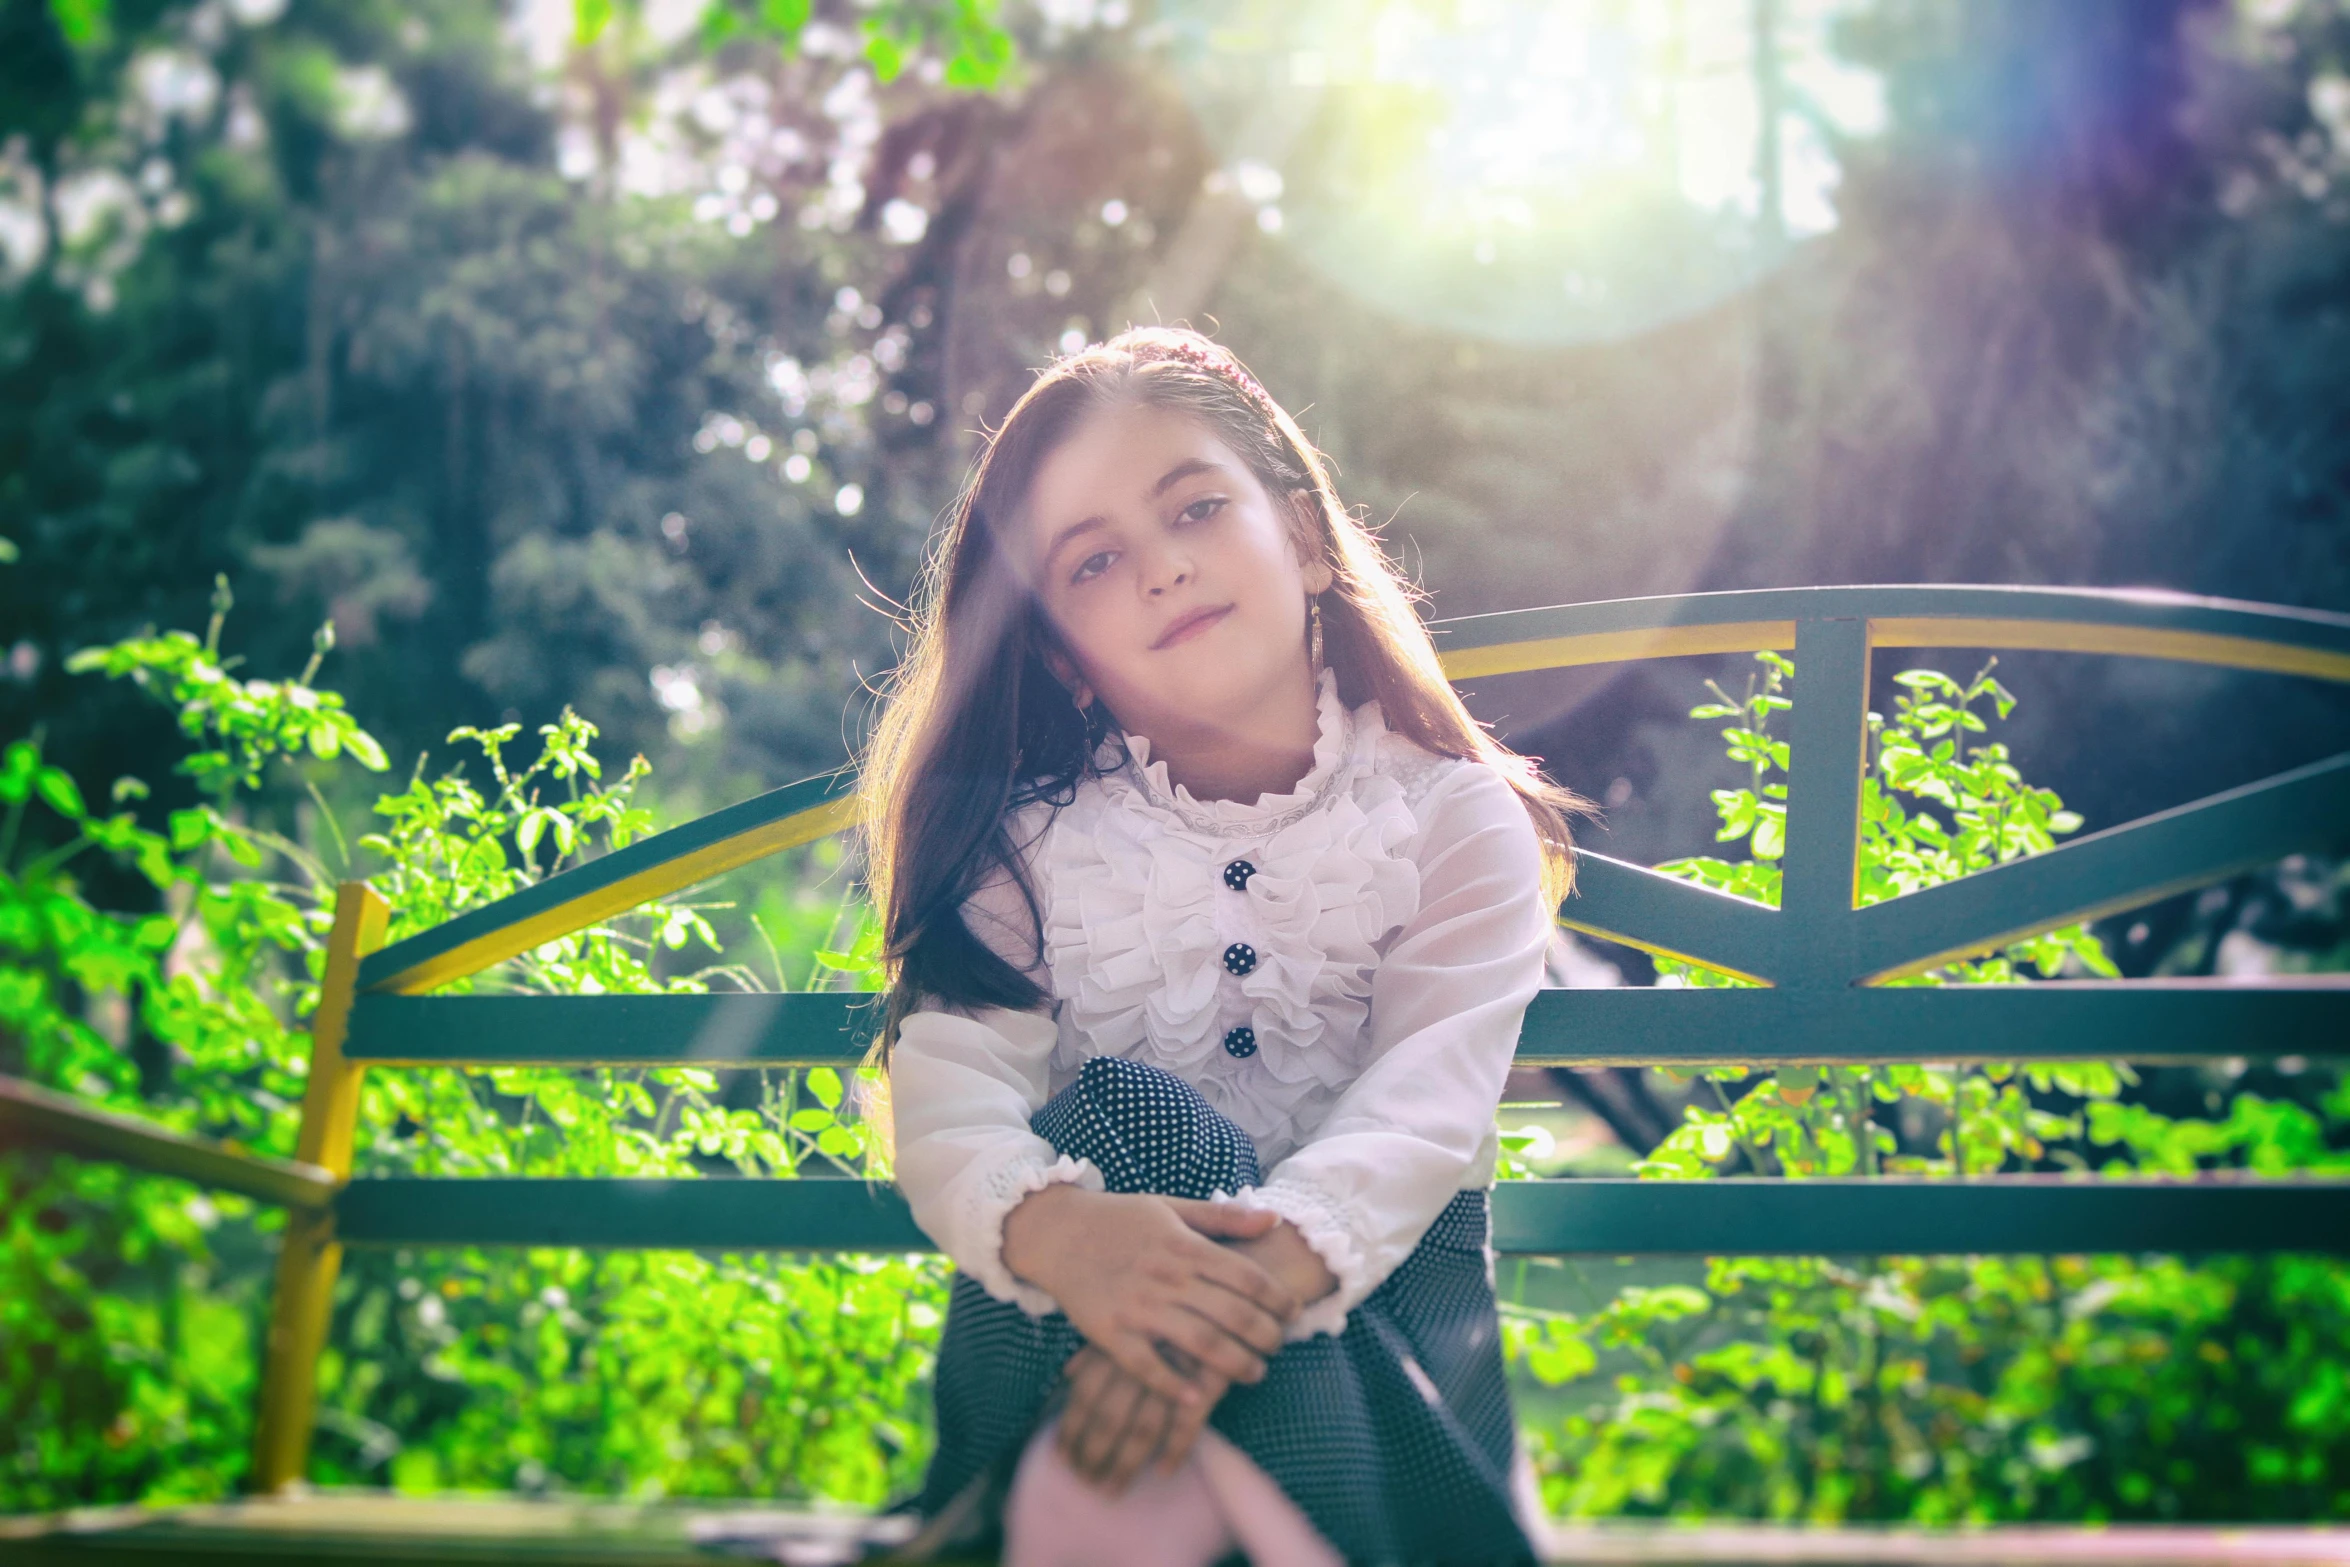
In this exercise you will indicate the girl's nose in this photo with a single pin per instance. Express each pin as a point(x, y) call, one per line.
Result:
point(1167, 570)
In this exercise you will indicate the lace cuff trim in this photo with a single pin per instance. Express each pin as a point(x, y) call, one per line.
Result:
point(1323, 1225)
point(994, 1194)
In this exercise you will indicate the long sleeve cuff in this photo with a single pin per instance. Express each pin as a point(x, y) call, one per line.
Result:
point(989, 1195)
point(1327, 1227)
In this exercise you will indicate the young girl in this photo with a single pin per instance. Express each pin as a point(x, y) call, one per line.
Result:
point(1213, 916)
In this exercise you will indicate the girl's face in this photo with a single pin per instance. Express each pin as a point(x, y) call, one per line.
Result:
point(1172, 576)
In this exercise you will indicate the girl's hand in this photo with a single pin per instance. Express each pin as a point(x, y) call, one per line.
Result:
point(1112, 1425)
point(1141, 1279)
point(1283, 1252)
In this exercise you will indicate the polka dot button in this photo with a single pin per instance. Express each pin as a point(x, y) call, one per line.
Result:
point(1240, 1042)
point(1240, 958)
point(1236, 875)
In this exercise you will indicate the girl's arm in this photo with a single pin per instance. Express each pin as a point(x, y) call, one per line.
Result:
point(961, 1091)
point(1446, 1004)
point(1037, 1229)
point(962, 1088)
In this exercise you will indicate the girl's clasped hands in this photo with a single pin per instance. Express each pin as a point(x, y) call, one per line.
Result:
point(1177, 1300)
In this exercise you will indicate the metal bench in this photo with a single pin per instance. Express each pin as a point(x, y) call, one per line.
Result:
point(1820, 960)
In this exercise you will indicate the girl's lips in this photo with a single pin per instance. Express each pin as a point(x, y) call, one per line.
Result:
point(1190, 626)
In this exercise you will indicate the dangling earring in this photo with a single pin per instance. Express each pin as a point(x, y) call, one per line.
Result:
point(1314, 633)
point(1092, 721)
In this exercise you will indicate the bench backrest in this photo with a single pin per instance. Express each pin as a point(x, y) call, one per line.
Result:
point(1820, 962)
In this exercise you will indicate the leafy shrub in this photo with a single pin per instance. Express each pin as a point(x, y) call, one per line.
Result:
point(133, 1304)
point(1949, 1389)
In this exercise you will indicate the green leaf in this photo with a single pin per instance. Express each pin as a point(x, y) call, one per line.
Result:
point(1737, 809)
point(824, 1083)
point(60, 791)
point(86, 24)
point(364, 746)
point(16, 777)
point(884, 53)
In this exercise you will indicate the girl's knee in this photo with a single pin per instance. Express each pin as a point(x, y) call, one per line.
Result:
point(1056, 1518)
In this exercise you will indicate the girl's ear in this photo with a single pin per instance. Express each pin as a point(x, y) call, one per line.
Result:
point(1065, 671)
point(1306, 538)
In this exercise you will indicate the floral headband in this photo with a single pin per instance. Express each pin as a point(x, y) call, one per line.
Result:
point(1200, 356)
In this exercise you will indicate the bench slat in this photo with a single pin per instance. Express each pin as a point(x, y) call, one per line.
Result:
point(2125, 622)
point(2009, 1214)
point(2146, 1020)
point(1619, 901)
point(31, 1114)
point(2306, 810)
point(651, 868)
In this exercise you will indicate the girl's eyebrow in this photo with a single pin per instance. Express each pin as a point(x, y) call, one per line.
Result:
point(1180, 472)
point(1066, 534)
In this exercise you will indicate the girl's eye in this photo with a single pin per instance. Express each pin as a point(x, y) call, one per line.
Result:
point(1202, 509)
point(1093, 566)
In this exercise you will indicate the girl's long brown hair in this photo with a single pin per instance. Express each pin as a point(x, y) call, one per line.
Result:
point(976, 725)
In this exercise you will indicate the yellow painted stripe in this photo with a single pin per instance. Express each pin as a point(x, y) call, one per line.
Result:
point(1615, 647)
point(608, 902)
point(2067, 636)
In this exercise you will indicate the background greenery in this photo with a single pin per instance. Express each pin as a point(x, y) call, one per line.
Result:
point(373, 314)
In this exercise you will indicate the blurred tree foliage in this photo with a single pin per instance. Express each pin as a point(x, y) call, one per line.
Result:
point(595, 369)
point(352, 304)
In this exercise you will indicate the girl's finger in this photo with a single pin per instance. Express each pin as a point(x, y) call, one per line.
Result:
point(1183, 1429)
point(1244, 1319)
point(1137, 1354)
point(1230, 1270)
point(1113, 1411)
point(1144, 1433)
point(1209, 1345)
point(1223, 1221)
point(1089, 1377)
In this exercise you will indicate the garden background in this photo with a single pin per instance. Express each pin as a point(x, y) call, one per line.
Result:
point(411, 413)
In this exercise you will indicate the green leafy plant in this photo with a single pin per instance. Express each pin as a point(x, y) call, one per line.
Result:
point(1947, 1389)
point(1934, 807)
point(134, 1305)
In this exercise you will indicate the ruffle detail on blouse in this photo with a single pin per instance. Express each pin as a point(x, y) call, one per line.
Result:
point(1135, 935)
point(989, 1200)
point(1331, 753)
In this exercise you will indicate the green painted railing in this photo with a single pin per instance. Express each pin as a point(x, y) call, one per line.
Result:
point(1819, 960)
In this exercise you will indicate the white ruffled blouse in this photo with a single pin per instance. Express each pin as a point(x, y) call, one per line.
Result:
point(1397, 924)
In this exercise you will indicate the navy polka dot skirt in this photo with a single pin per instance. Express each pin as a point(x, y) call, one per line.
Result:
point(1394, 1437)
